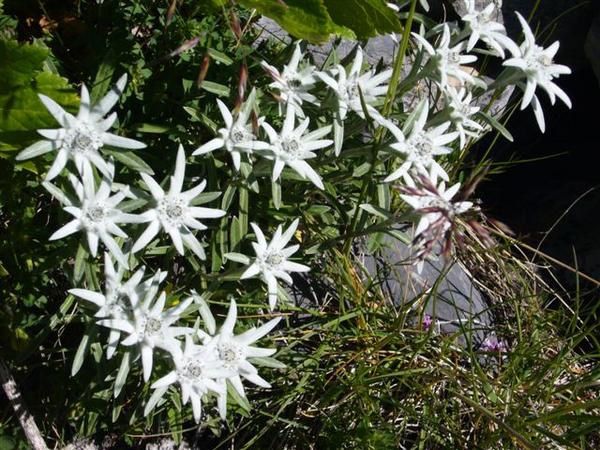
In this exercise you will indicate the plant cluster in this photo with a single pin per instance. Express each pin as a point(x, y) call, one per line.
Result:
point(320, 155)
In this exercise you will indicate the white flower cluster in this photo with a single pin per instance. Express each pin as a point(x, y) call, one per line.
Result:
point(133, 310)
point(427, 135)
point(136, 312)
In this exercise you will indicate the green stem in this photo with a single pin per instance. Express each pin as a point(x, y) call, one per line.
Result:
point(387, 108)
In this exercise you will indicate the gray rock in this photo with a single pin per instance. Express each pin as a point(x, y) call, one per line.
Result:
point(443, 291)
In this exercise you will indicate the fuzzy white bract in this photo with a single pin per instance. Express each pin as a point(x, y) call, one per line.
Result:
point(116, 300)
point(150, 326)
point(172, 211)
point(419, 146)
point(348, 88)
point(482, 26)
point(234, 352)
point(461, 113)
point(97, 214)
point(293, 84)
point(448, 61)
point(82, 136)
point(237, 136)
point(293, 146)
point(271, 260)
point(537, 64)
point(197, 372)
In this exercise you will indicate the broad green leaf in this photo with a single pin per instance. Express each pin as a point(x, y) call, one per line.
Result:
point(22, 80)
point(366, 18)
point(303, 19)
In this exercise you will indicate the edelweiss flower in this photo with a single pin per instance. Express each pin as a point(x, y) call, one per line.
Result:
point(233, 352)
point(482, 26)
point(292, 147)
point(97, 214)
point(293, 84)
point(448, 60)
point(196, 370)
point(112, 304)
point(421, 146)
point(237, 136)
point(82, 136)
point(461, 111)
point(150, 326)
point(435, 206)
point(348, 88)
point(173, 213)
point(271, 260)
point(538, 66)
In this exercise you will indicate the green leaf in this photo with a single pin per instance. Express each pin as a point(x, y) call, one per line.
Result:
point(22, 80)
point(220, 57)
point(216, 88)
point(122, 374)
point(130, 159)
point(80, 354)
point(303, 19)
point(496, 125)
point(366, 18)
point(237, 257)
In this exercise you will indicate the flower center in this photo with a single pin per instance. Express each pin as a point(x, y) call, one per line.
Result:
point(152, 326)
point(229, 353)
point(274, 259)
point(423, 147)
point(238, 135)
point(82, 139)
point(294, 83)
point(454, 57)
point(95, 213)
point(291, 147)
point(191, 371)
point(172, 210)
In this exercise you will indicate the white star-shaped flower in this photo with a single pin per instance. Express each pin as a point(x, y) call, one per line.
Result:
point(348, 88)
point(436, 207)
point(172, 211)
point(461, 111)
point(537, 63)
point(235, 350)
point(97, 214)
point(237, 136)
point(293, 146)
point(197, 369)
point(151, 325)
point(421, 146)
point(483, 27)
point(271, 260)
point(448, 60)
point(82, 136)
point(292, 83)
